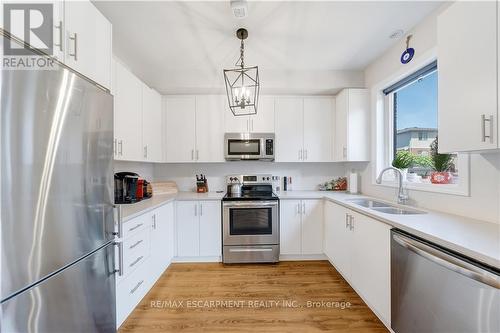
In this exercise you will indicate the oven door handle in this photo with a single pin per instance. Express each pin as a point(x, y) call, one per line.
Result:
point(250, 204)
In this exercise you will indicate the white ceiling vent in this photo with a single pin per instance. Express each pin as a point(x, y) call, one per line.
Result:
point(239, 8)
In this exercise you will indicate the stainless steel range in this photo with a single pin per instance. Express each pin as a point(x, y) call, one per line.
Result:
point(250, 220)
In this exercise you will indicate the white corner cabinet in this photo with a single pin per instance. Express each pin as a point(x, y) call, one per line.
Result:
point(301, 227)
point(351, 126)
point(198, 225)
point(147, 246)
point(194, 128)
point(137, 118)
point(303, 128)
point(467, 78)
point(359, 248)
point(82, 39)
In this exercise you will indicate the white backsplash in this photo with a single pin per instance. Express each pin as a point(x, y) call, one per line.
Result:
point(305, 176)
point(145, 170)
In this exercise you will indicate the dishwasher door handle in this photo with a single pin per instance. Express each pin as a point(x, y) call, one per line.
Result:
point(448, 261)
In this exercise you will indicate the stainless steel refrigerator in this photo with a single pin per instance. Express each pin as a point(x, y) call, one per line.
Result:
point(57, 226)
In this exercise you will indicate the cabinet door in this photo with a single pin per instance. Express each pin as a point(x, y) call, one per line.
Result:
point(162, 237)
point(312, 226)
point(329, 211)
point(210, 228)
point(467, 78)
point(188, 229)
point(235, 124)
point(289, 129)
point(180, 128)
point(263, 121)
point(210, 128)
point(341, 240)
point(371, 263)
point(340, 133)
point(317, 129)
point(358, 125)
point(290, 227)
point(151, 125)
point(88, 46)
point(127, 115)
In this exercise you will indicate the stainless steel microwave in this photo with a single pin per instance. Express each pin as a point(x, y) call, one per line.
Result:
point(249, 146)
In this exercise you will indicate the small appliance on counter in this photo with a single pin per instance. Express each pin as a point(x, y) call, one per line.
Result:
point(130, 188)
point(201, 184)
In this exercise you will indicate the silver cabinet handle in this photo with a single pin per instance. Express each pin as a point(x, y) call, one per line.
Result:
point(305, 154)
point(300, 154)
point(136, 287)
point(447, 261)
point(252, 124)
point(120, 258)
point(201, 209)
point(346, 220)
point(154, 221)
point(195, 209)
point(75, 44)
point(298, 208)
point(351, 222)
point(60, 28)
point(135, 261)
point(135, 227)
point(303, 207)
point(197, 154)
point(145, 151)
point(344, 152)
point(120, 145)
point(192, 154)
point(483, 128)
point(135, 244)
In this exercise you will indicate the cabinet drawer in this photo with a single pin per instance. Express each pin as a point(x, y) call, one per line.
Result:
point(135, 250)
point(135, 225)
point(129, 292)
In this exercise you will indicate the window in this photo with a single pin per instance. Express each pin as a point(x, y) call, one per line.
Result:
point(413, 115)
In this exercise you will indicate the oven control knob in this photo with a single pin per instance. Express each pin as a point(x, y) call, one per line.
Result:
point(268, 178)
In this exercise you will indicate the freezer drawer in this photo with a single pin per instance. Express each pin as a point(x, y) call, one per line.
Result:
point(434, 290)
point(80, 298)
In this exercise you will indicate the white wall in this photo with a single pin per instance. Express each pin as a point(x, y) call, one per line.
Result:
point(484, 200)
point(145, 170)
point(305, 176)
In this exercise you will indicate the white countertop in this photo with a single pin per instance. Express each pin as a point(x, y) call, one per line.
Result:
point(473, 238)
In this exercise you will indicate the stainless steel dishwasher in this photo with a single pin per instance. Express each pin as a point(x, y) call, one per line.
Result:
point(436, 290)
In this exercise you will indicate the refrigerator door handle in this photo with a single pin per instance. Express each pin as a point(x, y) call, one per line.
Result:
point(118, 221)
point(120, 258)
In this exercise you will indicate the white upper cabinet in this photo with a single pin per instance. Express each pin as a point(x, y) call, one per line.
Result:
point(88, 38)
point(151, 125)
point(194, 128)
point(303, 129)
point(262, 122)
point(210, 128)
point(127, 115)
point(318, 129)
point(289, 119)
point(467, 77)
point(351, 126)
point(180, 128)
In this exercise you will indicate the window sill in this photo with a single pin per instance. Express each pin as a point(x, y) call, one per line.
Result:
point(452, 189)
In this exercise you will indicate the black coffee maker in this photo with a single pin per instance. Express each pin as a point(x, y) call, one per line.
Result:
point(125, 187)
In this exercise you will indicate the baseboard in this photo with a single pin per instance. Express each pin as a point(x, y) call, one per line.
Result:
point(298, 257)
point(197, 259)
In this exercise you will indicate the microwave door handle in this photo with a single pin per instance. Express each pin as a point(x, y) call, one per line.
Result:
point(449, 262)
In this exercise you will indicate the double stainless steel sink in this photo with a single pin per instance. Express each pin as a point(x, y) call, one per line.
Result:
point(383, 207)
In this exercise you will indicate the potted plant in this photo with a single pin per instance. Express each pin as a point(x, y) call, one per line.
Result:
point(402, 161)
point(441, 165)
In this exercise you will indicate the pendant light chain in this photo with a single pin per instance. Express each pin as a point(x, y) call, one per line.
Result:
point(242, 54)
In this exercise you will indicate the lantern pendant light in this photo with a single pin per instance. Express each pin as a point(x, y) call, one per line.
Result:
point(242, 83)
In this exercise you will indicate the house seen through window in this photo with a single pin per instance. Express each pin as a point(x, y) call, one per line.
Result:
point(415, 117)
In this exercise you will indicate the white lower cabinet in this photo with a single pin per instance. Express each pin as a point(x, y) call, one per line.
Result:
point(359, 247)
point(301, 229)
point(198, 226)
point(148, 248)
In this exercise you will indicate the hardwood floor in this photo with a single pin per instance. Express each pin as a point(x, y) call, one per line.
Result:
point(212, 297)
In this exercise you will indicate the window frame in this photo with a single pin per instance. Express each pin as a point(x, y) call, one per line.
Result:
point(384, 145)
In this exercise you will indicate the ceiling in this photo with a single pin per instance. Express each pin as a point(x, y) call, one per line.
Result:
point(182, 46)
